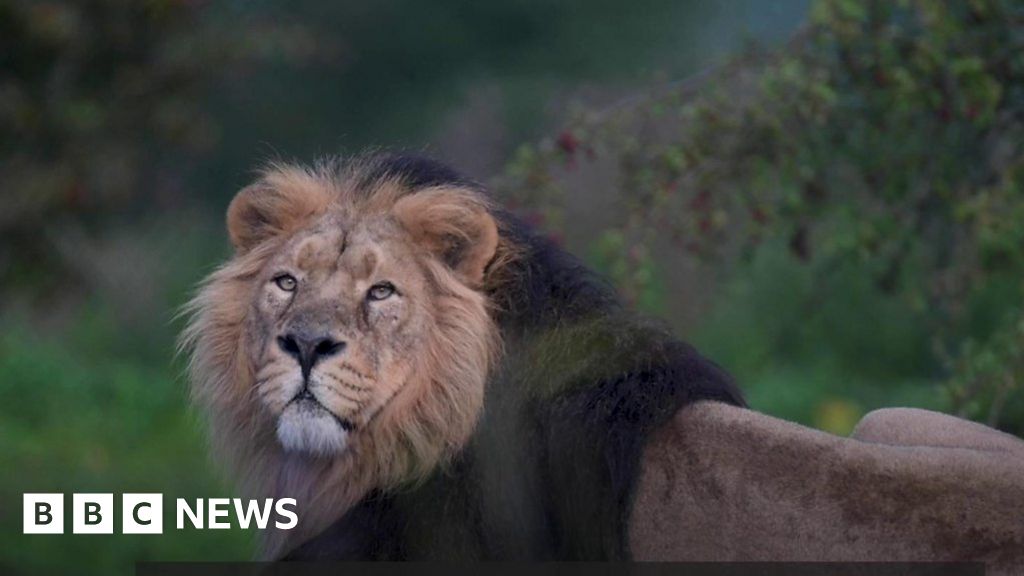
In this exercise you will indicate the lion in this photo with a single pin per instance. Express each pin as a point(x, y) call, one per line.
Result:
point(431, 379)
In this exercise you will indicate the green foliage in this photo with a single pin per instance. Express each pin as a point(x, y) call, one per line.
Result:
point(988, 372)
point(635, 270)
point(822, 354)
point(886, 137)
point(77, 414)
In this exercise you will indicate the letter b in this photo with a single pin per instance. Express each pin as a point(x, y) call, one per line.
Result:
point(92, 514)
point(42, 514)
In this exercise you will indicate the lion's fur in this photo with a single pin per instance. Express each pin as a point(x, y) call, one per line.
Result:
point(435, 413)
point(574, 383)
point(579, 451)
point(908, 486)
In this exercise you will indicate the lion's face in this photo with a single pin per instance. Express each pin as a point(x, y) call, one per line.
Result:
point(341, 313)
point(346, 344)
point(350, 332)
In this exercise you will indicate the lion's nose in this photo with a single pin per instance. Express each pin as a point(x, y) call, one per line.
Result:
point(308, 351)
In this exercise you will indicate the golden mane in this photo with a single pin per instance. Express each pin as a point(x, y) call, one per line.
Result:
point(436, 412)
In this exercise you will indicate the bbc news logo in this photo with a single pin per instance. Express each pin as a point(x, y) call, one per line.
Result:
point(143, 513)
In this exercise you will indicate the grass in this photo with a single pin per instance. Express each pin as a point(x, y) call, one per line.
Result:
point(76, 416)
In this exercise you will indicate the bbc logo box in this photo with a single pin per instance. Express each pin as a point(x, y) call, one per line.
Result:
point(142, 513)
point(43, 514)
point(92, 513)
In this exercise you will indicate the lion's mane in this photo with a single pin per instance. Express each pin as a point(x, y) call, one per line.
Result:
point(574, 383)
point(407, 441)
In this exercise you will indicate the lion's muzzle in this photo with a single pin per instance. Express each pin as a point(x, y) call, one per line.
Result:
point(306, 425)
point(308, 350)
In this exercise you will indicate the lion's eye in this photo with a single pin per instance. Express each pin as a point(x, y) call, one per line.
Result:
point(380, 291)
point(286, 282)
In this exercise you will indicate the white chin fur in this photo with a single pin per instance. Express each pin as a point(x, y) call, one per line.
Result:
point(305, 427)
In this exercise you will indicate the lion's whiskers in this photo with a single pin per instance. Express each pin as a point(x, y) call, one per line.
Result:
point(359, 404)
point(346, 384)
point(350, 368)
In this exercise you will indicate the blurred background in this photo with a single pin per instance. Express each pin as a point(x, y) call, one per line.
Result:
point(826, 197)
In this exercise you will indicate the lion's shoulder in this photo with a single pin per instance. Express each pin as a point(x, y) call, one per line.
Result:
point(581, 384)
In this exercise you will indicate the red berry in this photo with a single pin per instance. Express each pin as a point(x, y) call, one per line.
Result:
point(568, 142)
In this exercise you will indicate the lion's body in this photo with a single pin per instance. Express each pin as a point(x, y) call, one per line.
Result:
point(723, 484)
point(549, 471)
point(432, 380)
point(389, 429)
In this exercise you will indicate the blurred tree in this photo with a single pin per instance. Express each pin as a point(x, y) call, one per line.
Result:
point(890, 134)
point(113, 108)
point(96, 99)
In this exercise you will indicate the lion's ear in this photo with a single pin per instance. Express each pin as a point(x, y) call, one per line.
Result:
point(453, 224)
point(278, 203)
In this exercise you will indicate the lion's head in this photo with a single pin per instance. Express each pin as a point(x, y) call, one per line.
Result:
point(346, 344)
